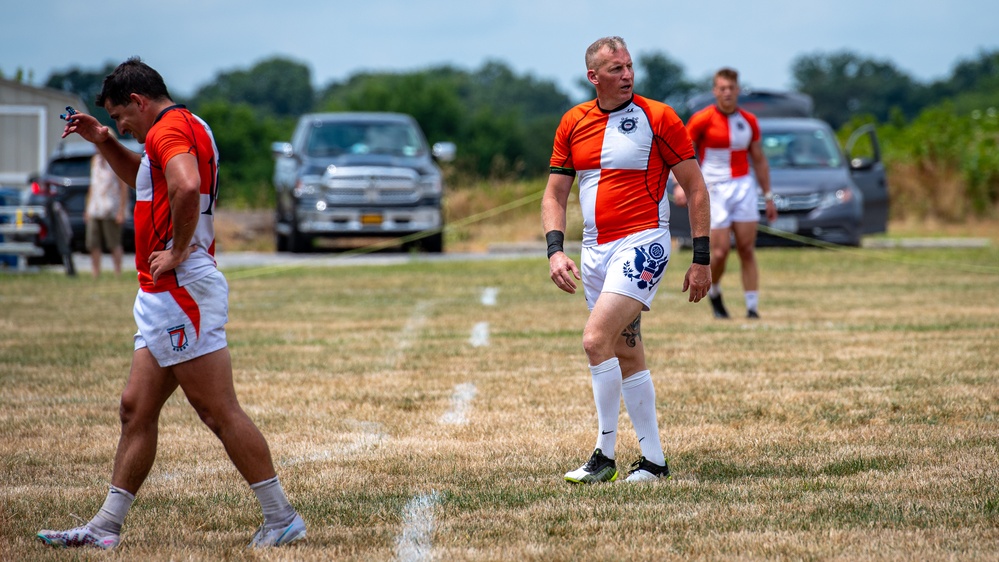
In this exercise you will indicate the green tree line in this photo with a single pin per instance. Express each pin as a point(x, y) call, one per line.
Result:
point(503, 122)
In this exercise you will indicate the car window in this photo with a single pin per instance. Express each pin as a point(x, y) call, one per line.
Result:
point(801, 149)
point(334, 139)
point(70, 167)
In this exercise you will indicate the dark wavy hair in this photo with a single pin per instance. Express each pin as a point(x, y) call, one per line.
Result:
point(132, 77)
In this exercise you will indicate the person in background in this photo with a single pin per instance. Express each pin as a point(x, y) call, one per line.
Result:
point(104, 214)
point(727, 137)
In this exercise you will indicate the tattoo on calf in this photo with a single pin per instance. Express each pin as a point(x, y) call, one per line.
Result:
point(633, 332)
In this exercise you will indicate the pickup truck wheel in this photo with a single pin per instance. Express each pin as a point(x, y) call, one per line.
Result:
point(433, 243)
point(299, 243)
point(281, 242)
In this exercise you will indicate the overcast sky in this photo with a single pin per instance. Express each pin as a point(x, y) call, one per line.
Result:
point(191, 41)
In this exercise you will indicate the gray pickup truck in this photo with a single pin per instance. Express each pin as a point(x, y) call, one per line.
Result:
point(351, 175)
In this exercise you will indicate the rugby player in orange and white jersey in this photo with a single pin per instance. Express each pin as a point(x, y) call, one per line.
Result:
point(726, 137)
point(176, 131)
point(181, 307)
point(622, 148)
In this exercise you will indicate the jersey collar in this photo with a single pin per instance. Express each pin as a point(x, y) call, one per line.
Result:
point(168, 109)
point(618, 108)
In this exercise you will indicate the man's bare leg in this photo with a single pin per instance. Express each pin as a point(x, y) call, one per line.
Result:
point(148, 388)
point(207, 383)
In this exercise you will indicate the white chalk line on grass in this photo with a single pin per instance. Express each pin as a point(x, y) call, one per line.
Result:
point(369, 436)
point(415, 541)
point(461, 404)
point(409, 333)
point(480, 332)
point(489, 296)
point(480, 335)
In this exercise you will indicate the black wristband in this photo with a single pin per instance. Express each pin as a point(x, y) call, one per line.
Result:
point(702, 250)
point(555, 240)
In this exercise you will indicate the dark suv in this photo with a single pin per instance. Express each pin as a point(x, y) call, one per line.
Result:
point(821, 190)
point(62, 190)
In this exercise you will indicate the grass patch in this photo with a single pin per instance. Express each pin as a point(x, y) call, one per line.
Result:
point(856, 421)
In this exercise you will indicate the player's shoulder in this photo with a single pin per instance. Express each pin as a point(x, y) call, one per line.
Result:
point(747, 115)
point(580, 110)
point(651, 103)
point(171, 119)
point(705, 113)
point(659, 111)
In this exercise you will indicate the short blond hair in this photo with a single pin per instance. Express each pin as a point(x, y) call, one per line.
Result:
point(613, 42)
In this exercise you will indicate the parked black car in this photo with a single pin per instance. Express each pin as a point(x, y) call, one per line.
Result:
point(821, 190)
point(62, 190)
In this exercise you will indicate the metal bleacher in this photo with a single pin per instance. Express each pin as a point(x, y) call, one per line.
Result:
point(18, 230)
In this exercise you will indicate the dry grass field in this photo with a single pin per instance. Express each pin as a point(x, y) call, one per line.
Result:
point(428, 411)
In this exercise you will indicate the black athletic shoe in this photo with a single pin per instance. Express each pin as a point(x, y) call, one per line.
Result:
point(598, 469)
point(718, 307)
point(644, 471)
point(752, 314)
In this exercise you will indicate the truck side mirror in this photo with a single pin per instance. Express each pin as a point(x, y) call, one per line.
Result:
point(279, 149)
point(444, 151)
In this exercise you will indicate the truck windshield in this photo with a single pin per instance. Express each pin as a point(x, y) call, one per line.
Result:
point(337, 138)
point(801, 149)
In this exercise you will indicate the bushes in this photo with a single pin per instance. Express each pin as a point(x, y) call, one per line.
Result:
point(941, 165)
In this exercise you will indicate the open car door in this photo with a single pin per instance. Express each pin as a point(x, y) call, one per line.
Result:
point(868, 171)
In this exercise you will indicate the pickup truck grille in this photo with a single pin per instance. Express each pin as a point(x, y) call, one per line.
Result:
point(371, 187)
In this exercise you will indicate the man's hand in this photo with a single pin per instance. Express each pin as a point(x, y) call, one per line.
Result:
point(698, 280)
point(88, 127)
point(166, 261)
point(771, 211)
point(563, 269)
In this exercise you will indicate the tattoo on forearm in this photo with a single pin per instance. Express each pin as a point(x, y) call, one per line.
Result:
point(633, 332)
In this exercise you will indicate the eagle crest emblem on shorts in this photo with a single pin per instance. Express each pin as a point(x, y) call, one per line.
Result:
point(648, 267)
point(628, 125)
point(178, 337)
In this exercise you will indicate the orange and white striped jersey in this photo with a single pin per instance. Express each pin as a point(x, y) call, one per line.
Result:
point(623, 158)
point(723, 142)
point(176, 131)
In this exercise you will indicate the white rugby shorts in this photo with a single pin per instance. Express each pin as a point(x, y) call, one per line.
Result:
point(735, 200)
point(184, 323)
point(632, 266)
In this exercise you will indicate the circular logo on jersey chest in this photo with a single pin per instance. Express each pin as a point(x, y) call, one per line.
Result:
point(628, 125)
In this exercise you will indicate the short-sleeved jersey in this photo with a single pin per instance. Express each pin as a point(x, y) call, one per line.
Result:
point(622, 158)
point(176, 131)
point(723, 142)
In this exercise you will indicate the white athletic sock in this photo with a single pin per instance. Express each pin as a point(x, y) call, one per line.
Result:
point(277, 510)
point(752, 300)
point(607, 395)
point(714, 290)
point(640, 400)
point(112, 514)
